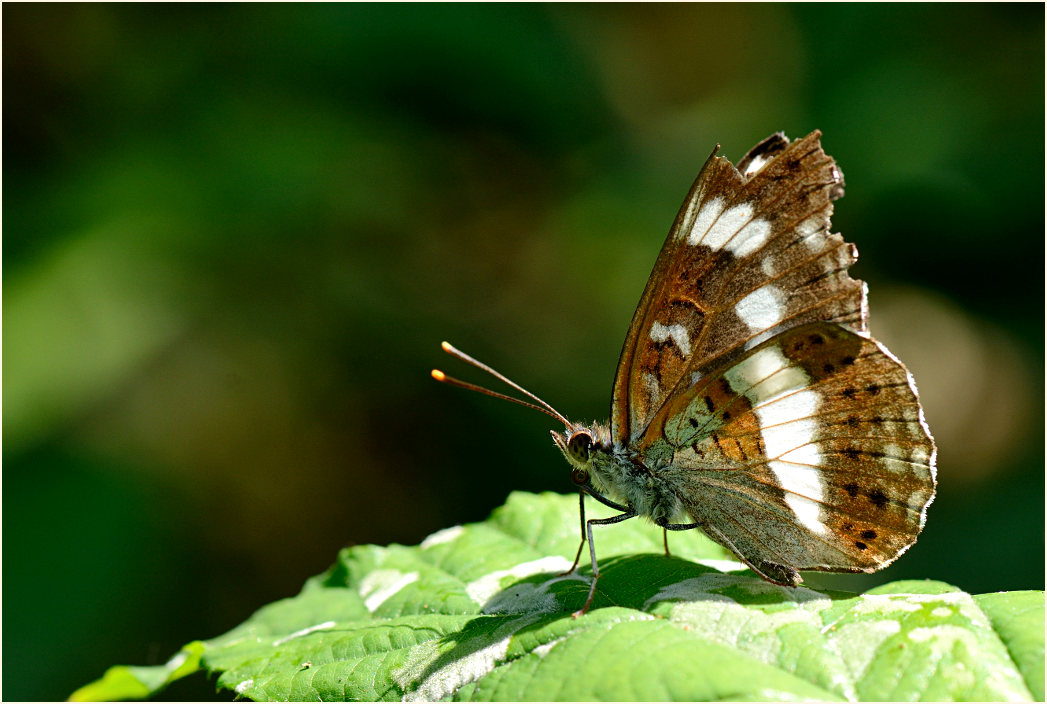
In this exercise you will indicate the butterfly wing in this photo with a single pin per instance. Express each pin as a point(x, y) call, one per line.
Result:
point(749, 254)
point(808, 452)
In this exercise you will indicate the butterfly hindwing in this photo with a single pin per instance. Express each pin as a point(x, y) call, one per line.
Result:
point(808, 452)
point(749, 254)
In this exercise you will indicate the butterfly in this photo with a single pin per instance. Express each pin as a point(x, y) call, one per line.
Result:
point(750, 400)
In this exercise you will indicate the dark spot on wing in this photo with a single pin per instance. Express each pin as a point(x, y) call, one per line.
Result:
point(816, 339)
point(847, 361)
point(869, 534)
point(851, 489)
point(709, 404)
point(726, 416)
point(741, 450)
point(716, 439)
point(850, 391)
point(860, 545)
point(878, 498)
point(853, 421)
point(851, 452)
point(873, 389)
point(828, 368)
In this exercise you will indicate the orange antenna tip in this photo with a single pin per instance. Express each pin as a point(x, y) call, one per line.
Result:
point(440, 376)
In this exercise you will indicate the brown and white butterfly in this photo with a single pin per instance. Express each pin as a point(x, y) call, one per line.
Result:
point(750, 400)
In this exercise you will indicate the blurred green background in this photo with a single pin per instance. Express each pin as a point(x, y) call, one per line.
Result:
point(235, 235)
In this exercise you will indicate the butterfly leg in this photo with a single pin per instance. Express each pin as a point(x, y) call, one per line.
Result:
point(581, 516)
point(678, 526)
point(584, 489)
point(666, 527)
point(592, 553)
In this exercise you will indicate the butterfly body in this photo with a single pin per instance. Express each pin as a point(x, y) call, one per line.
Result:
point(620, 473)
point(750, 400)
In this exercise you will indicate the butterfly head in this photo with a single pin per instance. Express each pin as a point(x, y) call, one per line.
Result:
point(579, 444)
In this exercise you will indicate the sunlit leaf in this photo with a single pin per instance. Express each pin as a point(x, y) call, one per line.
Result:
point(484, 612)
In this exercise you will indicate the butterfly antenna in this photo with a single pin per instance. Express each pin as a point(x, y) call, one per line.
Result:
point(455, 352)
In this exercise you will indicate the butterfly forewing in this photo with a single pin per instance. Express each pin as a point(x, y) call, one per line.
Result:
point(808, 452)
point(750, 254)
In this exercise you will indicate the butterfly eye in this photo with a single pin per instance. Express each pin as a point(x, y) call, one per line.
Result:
point(578, 445)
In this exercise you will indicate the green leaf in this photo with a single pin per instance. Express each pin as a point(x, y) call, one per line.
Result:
point(1014, 617)
point(483, 612)
point(125, 682)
